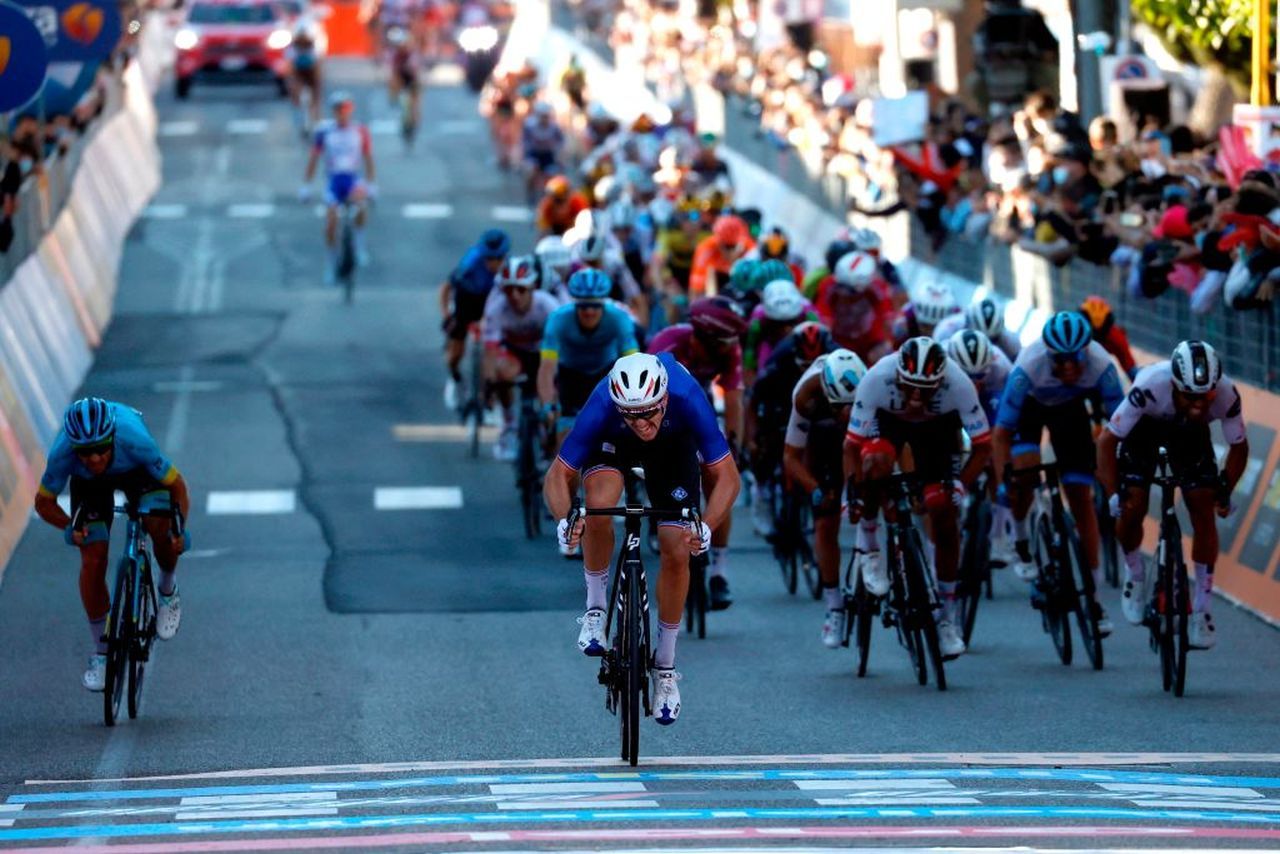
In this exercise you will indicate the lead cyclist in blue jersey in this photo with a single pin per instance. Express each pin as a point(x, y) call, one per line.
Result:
point(105, 446)
point(648, 412)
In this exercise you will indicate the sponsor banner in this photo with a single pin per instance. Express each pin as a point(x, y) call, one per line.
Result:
point(76, 31)
point(24, 62)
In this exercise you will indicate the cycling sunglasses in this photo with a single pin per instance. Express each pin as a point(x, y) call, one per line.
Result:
point(588, 304)
point(1202, 397)
point(639, 414)
point(1063, 359)
point(94, 450)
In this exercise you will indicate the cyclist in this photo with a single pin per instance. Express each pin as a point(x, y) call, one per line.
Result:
point(631, 241)
point(715, 255)
point(104, 446)
point(512, 332)
point(559, 207)
point(776, 246)
point(868, 241)
point(554, 264)
point(708, 346)
point(650, 412)
point(462, 301)
point(671, 265)
point(405, 63)
point(345, 146)
point(920, 317)
point(814, 277)
point(1047, 389)
point(765, 420)
point(573, 82)
point(756, 277)
point(1109, 333)
point(920, 399)
point(303, 56)
point(594, 252)
point(983, 316)
point(854, 304)
point(1171, 405)
point(780, 310)
point(541, 139)
point(813, 457)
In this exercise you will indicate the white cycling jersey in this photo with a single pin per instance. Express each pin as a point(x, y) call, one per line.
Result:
point(343, 148)
point(502, 325)
point(798, 425)
point(879, 392)
point(1152, 397)
point(1008, 343)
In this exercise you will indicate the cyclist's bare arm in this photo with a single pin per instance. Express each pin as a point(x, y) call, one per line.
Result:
point(1237, 459)
point(547, 380)
point(48, 509)
point(1108, 476)
point(312, 162)
point(733, 414)
point(1001, 450)
point(369, 173)
point(793, 465)
point(446, 298)
point(721, 482)
point(559, 487)
point(979, 456)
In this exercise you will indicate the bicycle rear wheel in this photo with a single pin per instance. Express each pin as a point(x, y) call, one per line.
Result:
point(1180, 608)
point(1052, 612)
point(695, 601)
point(808, 564)
point(974, 568)
point(142, 641)
point(784, 538)
point(475, 406)
point(347, 258)
point(865, 611)
point(118, 638)
point(1080, 584)
point(1108, 548)
point(528, 477)
point(920, 603)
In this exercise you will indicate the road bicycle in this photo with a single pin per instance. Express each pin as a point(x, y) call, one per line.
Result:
point(530, 451)
point(344, 267)
point(1168, 611)
point(1108, 546)
point(624, 667)
point(912, 601)
point(1064, 587)
point(792, 539)
point(476, 403)
point(408, 117)
point(975, 558)
point(696, 602)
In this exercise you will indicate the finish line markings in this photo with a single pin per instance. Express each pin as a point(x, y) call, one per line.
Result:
point(252, 210)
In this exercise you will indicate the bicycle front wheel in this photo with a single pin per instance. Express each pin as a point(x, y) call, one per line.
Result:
point(1179, 606)
point(118, 637)
point(144, 636)
point(920, 604)
point(1086, 607)
point(634, 665)
point(974, 569)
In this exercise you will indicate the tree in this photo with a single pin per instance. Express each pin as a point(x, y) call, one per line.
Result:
point(1213, 34)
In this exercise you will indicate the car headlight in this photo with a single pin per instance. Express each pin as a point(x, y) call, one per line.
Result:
point(478, 39)
point(279, 39)
point(186, 38)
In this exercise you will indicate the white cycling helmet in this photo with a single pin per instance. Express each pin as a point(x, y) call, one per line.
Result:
point(856, 270)
point(638, 382)
point(622, 214)
point(519, 271)
point(842, 370)
point(971, 350)
point(782, 301)
point(590, 250)
point(922, 363)
point(865, 240)
point(933, 304)
point(553, 254)
point(986, 317)
point(1196, 367)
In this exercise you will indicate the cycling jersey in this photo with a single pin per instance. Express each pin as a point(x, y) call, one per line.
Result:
point(764, 334)
point(1152, 397)
point(705, 365)
point(1032, 378)
point(1007, 343)
point(879, 395)
point(588, 351)
point(689, 413)
point(134, 449)
point(540, 138)
point(302, 54)
point(471, 275)
point(991, 386)
point(857, 320)
point(800, 425)
point(343, 150)
point(709, 257)
point(503, 326)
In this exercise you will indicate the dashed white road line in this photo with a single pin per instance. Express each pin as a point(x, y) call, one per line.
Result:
point(427, 210)
point(384, 127)
point(417, 498)
point(247, 126)
point(511, 213)
point(179, 128)
point(439, 433)
point(251, 210)
point(165, 211)
point(180, 386)
point(253, 502)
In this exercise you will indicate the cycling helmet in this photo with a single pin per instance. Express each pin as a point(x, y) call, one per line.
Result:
point(986, 317)
point(542, 108)
point(337, 99)
point(89, 421)
point(933, 304)
point(558, 186)
point(865, 240)
point(810, 339)
point(553, 254)
point(397, 36)
point(622, 214)
point(971, 350)
point(494, 243)
point(1196, 367)
point(775, 244)
point(921, 363)
point(606, 190)
point(742, 275)
point(842, 370)
point(590, 250)
point(836, 250)
point(1098, 310)
point(717, 317)
point(856, 270)
point(782, 301)
point(771, 270)
point(1067, 332)
point(590, 285)
point(519, 271)
point(638, 382)
point(730, 231)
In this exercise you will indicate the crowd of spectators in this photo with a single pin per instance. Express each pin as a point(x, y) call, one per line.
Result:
point(1165, 208)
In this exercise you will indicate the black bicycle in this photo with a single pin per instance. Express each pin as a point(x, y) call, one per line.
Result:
point(1168, 610)
point(1065, 584)
point(476, 404)
point(1108, 547)
point(696, 601)
point(131, 626)
point(912, 601)
point(624, 667)
point(528, 463)
point(975, 558)
point(792, 540)
point(346, 261)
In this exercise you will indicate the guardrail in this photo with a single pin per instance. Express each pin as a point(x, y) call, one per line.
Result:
point(40, 200)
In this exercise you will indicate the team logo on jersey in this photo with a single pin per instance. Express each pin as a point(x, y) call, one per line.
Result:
point(679, 493)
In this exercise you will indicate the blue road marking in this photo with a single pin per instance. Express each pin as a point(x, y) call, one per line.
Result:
point(1039, 774)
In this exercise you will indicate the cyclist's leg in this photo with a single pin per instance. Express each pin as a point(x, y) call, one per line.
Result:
point(602, 483)
point(1195, 465)
point(673, 480)
point(94, 502)
point(153, 502)
point(823, 457)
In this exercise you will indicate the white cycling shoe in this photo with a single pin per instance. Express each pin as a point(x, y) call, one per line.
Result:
point(1024, 564)
point(666, 695)
point(1201, 633)
point(451, 393)
point(504, 450)
point(833, 629)
point(95, 678)
point(1002, 553)
point(949, 641)
point(761, 512)
point(168, 616)
point(1133, 600)
point(591, 637)
point(875, 575)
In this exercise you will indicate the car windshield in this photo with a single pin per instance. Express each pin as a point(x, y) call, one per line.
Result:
point(257, 13)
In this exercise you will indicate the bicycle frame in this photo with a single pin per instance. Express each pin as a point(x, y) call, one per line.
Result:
point(1166, 616)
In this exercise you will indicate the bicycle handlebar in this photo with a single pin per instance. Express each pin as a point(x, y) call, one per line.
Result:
point(684, 514)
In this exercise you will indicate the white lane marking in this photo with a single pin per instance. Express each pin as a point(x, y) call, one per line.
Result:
point(176, 433)
point(891, 792)
point(251, 210)
point(165, 211)
point(267, 805)
point(202, 554)
point(263, 812)
point(445, 74)
point(511, 213)
point(1192, 797)
point(251, 502)
point(577, 805)
point(921, 799)
point(417, 498)
point(563, 788)
point(262, 798)
point(872, 785)
point(9, 810)
point(247, 126)
point(439, 433)
point(180, 386)
point(384, 127)
point(179, 128)
point(427, 210)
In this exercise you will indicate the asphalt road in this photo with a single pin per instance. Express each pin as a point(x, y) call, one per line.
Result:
point(322, 627)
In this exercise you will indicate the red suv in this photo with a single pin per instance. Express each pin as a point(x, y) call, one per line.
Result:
point(231, 38)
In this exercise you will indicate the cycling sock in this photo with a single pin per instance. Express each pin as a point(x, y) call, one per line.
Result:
point(719, 558)
point(664, 655)
point(1136, 565)
point(834, 598)
point(96, 628)
point(1000, 523)
point(168, 581)
point(1203, 598)
point(358, 233)
point(509, 416)
point(597, 588)
point(867, 531)
point(1022, 528)
point(948, 591)
point(1098, 581)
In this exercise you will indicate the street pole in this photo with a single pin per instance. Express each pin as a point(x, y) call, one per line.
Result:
point(1260, 91)
point(1089, 19)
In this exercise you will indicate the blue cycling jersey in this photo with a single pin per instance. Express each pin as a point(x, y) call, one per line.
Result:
point(471, 275)
point(589, 352)
point(134, 449)
point(688, 411)
point(1033, 377)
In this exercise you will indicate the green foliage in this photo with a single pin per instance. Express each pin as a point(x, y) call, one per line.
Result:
point(1205, 32)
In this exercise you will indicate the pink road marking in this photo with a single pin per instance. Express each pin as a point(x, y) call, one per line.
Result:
point(386, 840)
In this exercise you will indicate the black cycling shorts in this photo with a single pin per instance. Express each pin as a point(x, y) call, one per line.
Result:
point(671, 464)
point(824, 457)
point(93, 500)
point(1070, 432)
point(468, 308)
point(935, 444)
point(574, 387)
point(1191, 454)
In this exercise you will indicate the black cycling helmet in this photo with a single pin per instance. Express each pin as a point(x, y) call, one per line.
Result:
point(836, 250)
point(494, 243)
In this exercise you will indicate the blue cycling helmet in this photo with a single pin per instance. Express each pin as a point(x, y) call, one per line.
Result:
point(89, 421)
point(494, 243)
point(1067, 332)
point(590, 285)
